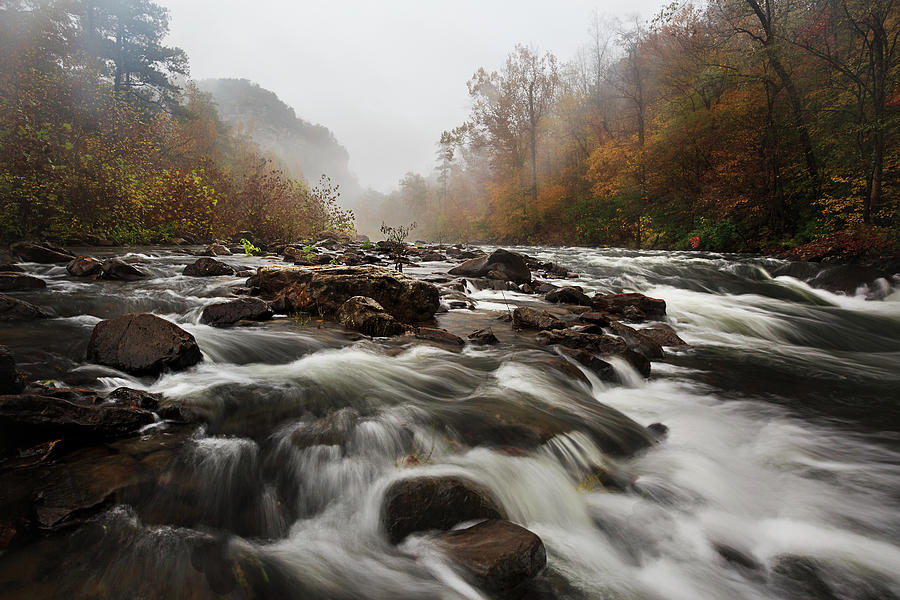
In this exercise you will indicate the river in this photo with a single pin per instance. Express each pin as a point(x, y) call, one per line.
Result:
point(779, 478)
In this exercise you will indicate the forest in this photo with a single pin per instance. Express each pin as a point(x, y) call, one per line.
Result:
point(103, 138)
point(729, 125)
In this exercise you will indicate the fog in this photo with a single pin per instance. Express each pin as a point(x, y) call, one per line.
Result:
point(385, 77)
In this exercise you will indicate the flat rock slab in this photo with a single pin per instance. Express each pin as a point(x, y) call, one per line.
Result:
point(142, 344)
point(500, 556)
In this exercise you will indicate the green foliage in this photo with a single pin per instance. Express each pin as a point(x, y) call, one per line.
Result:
point(717, 237)
point(249, 248)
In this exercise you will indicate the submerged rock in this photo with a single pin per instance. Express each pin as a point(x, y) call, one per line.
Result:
point(84, 266)
point(500, 556)
point(40, 253)
point(119, 270)
point(207, 267)
point(530, 318)
point(325, 288)
point(142, 344)
point(427, 503)
point(11, 282)
point(10, 382)
point(13, 309)
point(241, 309)
point(506, 265)
point(369, 317)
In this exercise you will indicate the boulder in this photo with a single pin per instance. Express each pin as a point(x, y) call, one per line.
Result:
point(483, 336)
point(207, 267)
point(637, 340)
point(659, 430)
point(440, 336)
point(633, 306)
point(84, 266)
point(118, 270)
point(592, 342)
point(508, 265)
point(241, 309)
point(568, 295)
point(11, 282)
point(428, 503)
point(433, 257)
point(40, 253)
point(10, 382)
point(530, 318)
point(603, 370)
point(663, 335)
point(142, 344)
point(326, 288)
point(498, 555)
point(13, 309)
point(369, 317)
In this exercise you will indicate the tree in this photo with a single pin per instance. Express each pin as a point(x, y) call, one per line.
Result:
point(126, 36)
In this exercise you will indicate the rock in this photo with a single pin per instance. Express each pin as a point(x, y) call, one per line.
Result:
point(433, 257)
point(483, 336)
point(369, 317)
point(427, 503)
point(216, 249)
point(40, 253)
point(118, 270)
point(83, 266)
point(568, 295)
point(33, 418)
point(132, 398)
point(227, 313)
point(545, 288)
point(632, 306)
point(142, 344)
point(595, 318)
point(663, 335)
point(330, 234)
point(603, 370)
point(592, 342)
point(333, 430)
point(509, 265)
point(637, 340)
point(180, 413)
point(10, 382)
point(530, 318)
point(326, 288)
point(11, 268)
point(658, 430)
point(500, 556)
point(441, 336)
point(207, 267)
point(11, 282)
point(637, 360)
point(13, 309)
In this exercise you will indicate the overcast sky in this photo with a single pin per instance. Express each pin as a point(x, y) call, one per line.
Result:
point(385, 76)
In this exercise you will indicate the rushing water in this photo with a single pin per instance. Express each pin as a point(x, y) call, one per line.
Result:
point(780, 476)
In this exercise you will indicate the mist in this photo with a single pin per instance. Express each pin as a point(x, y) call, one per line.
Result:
point(386, 78)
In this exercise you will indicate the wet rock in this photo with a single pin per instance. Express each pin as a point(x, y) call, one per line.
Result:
point(803, 577)
point(333, 430)
point(132, 398)
point(433, 257)
point(13, 309)
point(484, 337)
point(663, 335)
point(142, 344)
point(509, 265)
point(118, 270)
point(637, 360)
point(11, 282)
point(658, 430)
point(84, 266)
point(737, 557)
point(440, 336)
point(530, 318)
point(500, 556)
point(181, 413)
point(595, 318)
point(637, 340)
point(369, 317)
point(207, 267)
point(603, 370)
point(11, 268)
point(598, 344)
point(633, 306)
point(568, 295)
point(10, 382)
point(35, 418)
point(216, 249)
point(427, 503)
point(227, 313)
point(325, 289)
point(545, 288)
point(40, 253)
